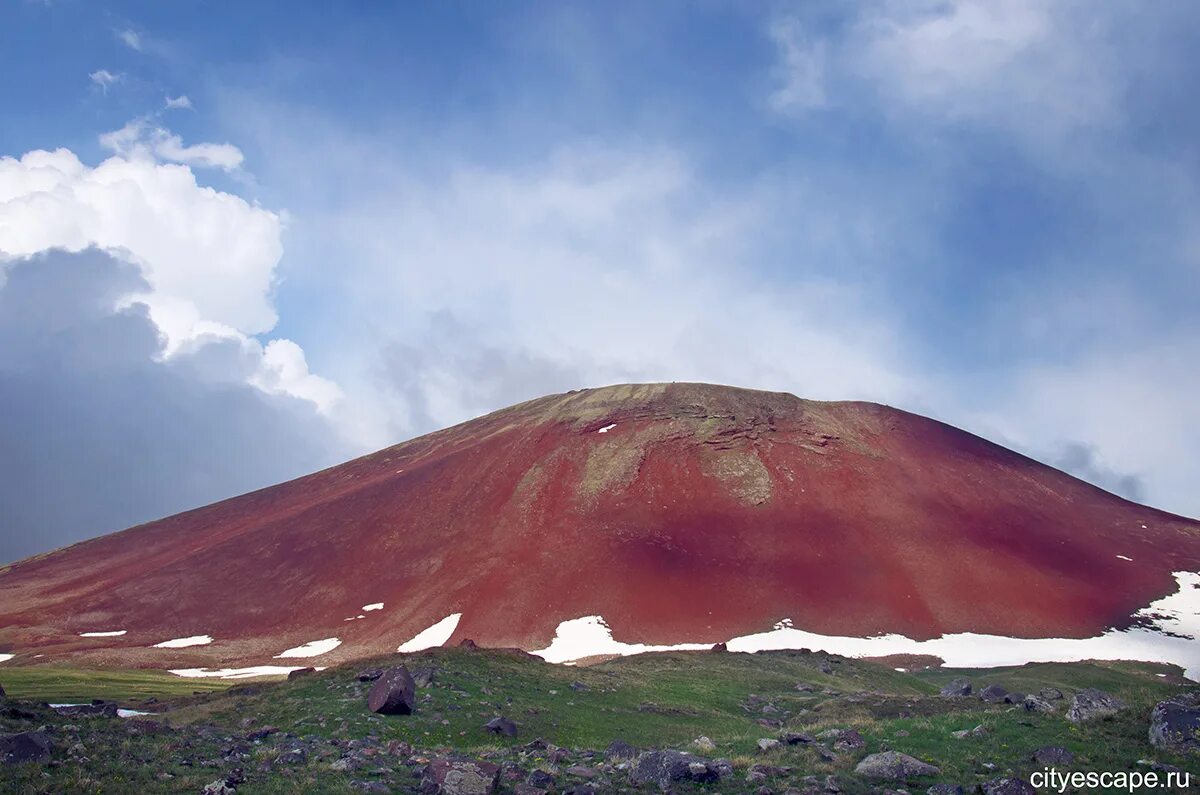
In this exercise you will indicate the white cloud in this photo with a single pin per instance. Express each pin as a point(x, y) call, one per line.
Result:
point(139, 136)
point(208, 257)
point(104, 79)
point(130, 38)
point(801, 70)
point(180, 102)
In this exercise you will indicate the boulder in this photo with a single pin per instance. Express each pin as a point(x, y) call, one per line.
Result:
point(1052, 755)
point(720, 647)
point(798, 738)
point(300, 673)
point(370, 674)
point(767, 744)
point(978, 731)
point(1037, 704)
point(664, 768)
point(467, 643)
point(394, 693)
point(944, 789)
point(619, 749)
point(218, 787)
point(1007, 786)
point(1175, 724)
point(1050, 694)
point(24, 747)
point(895, 766)
point(501, 725)
point(1014, 698)
point(459, 776)
point(704, 745)
point(423, 677)
point(993, 694)
point(957, 687)
point(1092, 704)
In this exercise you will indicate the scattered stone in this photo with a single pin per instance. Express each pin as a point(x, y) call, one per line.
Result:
point(578, 687)
point(219, 787)
point(798, 738)
point(460, 776)
point(467, 643)
point(704, 745)
point(957, 687)
point(300, 672)
point(1092, 704)
point(767, 744)
point(718, 647)
point(501, 725)
point(1175, 724)
point(24, 747)
point(993, 694)
point(619, 749)
point(293, 756)
point(579, 771)
point(541, 779)
point(663, 768)
point(2, 693)
point(944, 789)
point(98, 708)
point(1007, 786)
point(1053, 755)
point(423, 677)
point(1014, 698)
point(370, 674)
point(804, 687)
point(895, 766)
point(978, 731)
point(1050, 694)
point(825, 668)
point(394, 693)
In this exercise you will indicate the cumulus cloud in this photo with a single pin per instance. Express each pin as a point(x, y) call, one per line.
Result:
point(100, 431)
point(801, 69)
point(180, 102)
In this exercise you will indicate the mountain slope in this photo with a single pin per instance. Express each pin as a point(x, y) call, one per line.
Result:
point(678, 512)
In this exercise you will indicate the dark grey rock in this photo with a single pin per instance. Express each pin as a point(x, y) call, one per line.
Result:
point(944, 789)
point(460, 777)
point(993, 694)
point(501, 725)
point(540, 778)
point(619, 749)
point(957, 687)
point(370, 674)
point(300, 673)
point(25, 747)
point(394, 693)
point(1175, 724)
point(1050, 694)
point(1050, 755)
point(663, 768)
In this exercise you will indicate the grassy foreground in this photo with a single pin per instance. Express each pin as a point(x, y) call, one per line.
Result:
point(315, 734)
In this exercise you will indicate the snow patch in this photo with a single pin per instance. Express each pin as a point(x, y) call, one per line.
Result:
point(314, 648)
point(237, 673)
point(436, 635)
point(1122, 557)
point(183, 643)
point(112, 634)
point(121, 713)
point(6, 657)
point(373, 606)
point(1168, 634)
point(607, 428)
point(591, 636)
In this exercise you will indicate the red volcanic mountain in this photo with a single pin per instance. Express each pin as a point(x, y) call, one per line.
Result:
point(678, 512)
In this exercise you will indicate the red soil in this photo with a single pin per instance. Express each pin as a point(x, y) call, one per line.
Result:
point(705, 513)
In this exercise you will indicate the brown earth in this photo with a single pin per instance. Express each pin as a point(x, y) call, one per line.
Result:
point(707, 512)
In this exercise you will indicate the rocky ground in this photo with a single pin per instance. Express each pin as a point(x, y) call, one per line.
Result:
point(477, 721)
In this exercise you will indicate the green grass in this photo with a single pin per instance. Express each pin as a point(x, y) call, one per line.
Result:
point(69, 685)
point(654, 700)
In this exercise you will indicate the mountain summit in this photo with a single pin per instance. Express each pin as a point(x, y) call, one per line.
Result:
point(679, 513)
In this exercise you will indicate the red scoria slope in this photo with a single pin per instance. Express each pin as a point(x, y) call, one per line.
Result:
point(701, 514)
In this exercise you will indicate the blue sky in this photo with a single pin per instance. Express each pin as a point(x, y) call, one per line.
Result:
point(371, 221)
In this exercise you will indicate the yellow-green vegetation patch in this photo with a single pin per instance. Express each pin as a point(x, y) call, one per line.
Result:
point(69, 685)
